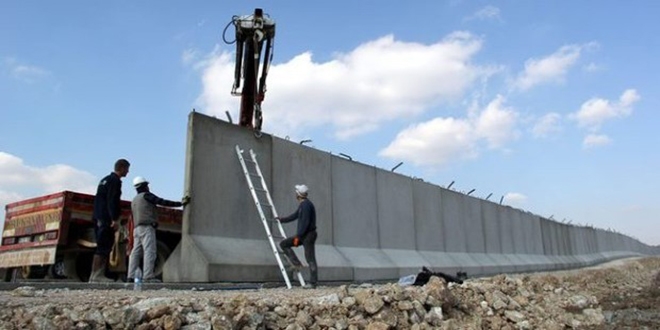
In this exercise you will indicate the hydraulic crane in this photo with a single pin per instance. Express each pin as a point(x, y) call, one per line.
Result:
point(253, 33)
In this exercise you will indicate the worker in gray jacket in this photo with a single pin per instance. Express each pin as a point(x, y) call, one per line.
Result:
point(145, 217)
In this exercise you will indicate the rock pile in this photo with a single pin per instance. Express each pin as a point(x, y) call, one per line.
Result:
point(534, 301)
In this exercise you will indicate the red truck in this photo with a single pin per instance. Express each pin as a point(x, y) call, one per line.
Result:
point(52, 237)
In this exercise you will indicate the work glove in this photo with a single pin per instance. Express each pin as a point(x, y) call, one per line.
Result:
point(296, 241)
point(185, 200)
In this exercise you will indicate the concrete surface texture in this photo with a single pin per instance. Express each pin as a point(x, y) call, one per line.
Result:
point(372, 224)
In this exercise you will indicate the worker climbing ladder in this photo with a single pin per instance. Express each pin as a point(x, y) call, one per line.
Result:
point(262, 198)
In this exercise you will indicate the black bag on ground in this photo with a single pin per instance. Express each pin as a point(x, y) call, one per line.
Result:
point(424, 276)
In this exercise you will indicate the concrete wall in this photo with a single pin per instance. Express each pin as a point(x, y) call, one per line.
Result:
point(373, 224)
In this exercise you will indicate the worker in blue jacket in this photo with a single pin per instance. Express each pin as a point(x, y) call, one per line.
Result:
point(305, 234)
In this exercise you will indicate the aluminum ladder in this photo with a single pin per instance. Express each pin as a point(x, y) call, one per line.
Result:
point(262, 198)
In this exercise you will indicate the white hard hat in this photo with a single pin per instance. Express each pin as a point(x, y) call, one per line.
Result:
point(301, 190)
point(139, 181)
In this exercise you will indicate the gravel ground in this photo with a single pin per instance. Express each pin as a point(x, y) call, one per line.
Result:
point(620, 295)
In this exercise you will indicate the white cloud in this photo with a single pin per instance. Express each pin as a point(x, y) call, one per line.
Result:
point(486, 13)
point(552, 68)
point(442, 140)
point(7, 197)
point(354, 92)
point(595, 140)
point(434, 142)
point(497, 123)
point(515, 199)
point(593, 67)
point(594, 112)
point(24, 72)
point(18, 179)
point(189, 56)
point(547, 126)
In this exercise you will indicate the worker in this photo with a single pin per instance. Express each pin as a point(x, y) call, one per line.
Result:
point(305, 234)
point(106, 218)
point(145, 217)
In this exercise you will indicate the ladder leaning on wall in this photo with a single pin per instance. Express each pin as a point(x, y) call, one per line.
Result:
point(262, 198)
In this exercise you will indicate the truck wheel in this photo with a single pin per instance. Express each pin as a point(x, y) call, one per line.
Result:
point(5, 273)
point(69, 262)
point(162, 254)
point(29, 272)
point(84, 266)
point(57, 270)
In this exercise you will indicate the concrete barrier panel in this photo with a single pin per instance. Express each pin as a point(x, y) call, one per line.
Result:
point(222, 209)
point(476, 237)
point(396, 222)
point(293, 164)
point(454, 217)
point(429, 228)
point(356, 226)
point(546, 233)
point(491, 224)
point(354, 205)
point(506, 230)
point(507, 238)
point(430, 231)
point(576, 239)
point(222, 206)
point(563, 261)
point(296, 164)
point(534, 242)
point(569, 254)
point(453, 221)
point(519, 241)
point(533, 236)
point(474, 228)
point(600, 240)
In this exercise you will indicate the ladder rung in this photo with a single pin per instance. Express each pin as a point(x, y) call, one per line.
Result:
point(260, 190)
point(254, 174)
point(276, 236)
point(265, 204)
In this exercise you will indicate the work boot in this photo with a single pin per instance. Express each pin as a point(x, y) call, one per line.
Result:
point(292, 260)
point(98, 270)
point(293, 269)
point(309, 286)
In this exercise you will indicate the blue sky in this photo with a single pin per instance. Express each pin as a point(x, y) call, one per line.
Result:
point(552, 105)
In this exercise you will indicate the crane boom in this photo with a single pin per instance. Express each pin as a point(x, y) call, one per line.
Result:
point(254, 34)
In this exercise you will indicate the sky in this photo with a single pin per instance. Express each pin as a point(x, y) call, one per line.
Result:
point(551, 107)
